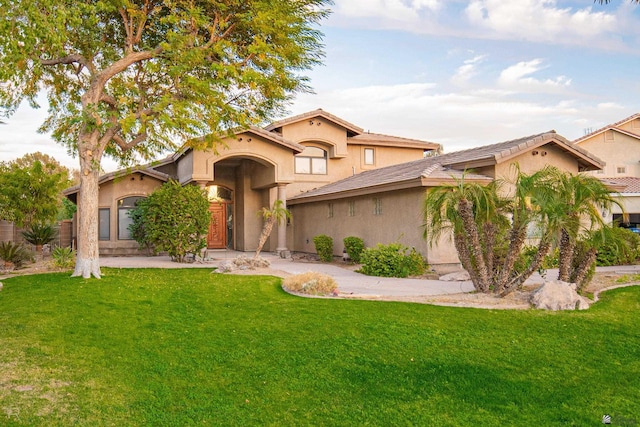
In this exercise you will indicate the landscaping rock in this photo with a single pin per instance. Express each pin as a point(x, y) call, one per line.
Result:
point(1, 286)
point(558, 295)
point(458, 276)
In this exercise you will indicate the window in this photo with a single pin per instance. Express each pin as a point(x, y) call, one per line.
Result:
point(377, 206)
point(621, 169)
point(352, 209)
point(369, 156)
point(104, 226)
point(124, 207)
point(312, 160)
point(600, 172)
point(330, 210)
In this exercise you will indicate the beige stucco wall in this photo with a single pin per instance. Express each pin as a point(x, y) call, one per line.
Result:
point(110, 193)
point(400, 221)
point(333, 137)
point(621, 151)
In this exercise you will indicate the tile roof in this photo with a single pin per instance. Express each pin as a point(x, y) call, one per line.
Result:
point(443, 167)
point(387, 140)
point(626, 184)
point(610, 126)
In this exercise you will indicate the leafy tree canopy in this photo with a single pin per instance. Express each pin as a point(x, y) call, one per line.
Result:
point(130, 79)
point(30, 194)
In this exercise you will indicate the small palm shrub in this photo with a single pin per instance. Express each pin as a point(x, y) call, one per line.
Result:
point(354, 247)
point(393, 260)
point(311, 283)
point(40, 234)
point(15, 253)
point(63, 258)
point(324, 247)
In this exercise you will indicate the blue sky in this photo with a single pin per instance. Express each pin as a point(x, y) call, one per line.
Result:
point(459, 73)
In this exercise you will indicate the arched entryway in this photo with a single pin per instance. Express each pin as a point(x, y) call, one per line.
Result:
point(220, 234)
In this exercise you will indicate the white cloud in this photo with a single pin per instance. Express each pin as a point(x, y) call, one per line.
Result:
point(458, 120)
point(519, 76)
point(539, 20)
point(466, 71)
point(407, 10)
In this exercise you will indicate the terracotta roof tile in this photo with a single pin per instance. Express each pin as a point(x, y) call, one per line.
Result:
point(629, 184)
point(444, 166)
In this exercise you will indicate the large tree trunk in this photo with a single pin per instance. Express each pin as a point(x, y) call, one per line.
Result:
point(87, 259)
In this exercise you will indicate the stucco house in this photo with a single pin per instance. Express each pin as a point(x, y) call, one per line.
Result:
point(618, 144)
point(336, 179)
point(250, 171)
point(385, 205)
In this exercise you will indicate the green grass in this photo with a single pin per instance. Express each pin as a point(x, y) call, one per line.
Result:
point(187, 347)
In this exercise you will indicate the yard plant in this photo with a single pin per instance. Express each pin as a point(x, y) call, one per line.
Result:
point(187, 347)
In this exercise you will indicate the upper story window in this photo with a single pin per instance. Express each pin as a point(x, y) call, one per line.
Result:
point(125, 206)
point(369, 156)
point(312, 160)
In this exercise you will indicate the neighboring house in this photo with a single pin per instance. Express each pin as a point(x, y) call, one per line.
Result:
point(618, 144)
point(250, 171)
point(385, 205)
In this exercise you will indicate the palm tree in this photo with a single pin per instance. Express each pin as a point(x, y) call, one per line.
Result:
point(578, 201)
point(528, 201)
point(466, 209)
point(276, 214)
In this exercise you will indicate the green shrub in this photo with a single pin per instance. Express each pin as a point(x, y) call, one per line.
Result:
point(324, 247)
point(63, 258)
point(620, 247)
point(393, 260)
point(311, 283)
point(174, 218)
point(40, 234)
point(15, 253)
point(354, 247)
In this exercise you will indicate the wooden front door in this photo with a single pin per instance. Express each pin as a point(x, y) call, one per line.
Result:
point(217, 237)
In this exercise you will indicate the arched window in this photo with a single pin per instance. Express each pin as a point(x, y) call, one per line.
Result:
point(312, 160)
point(124, 207)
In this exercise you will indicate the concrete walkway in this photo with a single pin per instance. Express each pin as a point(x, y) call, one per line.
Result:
point(349, 282)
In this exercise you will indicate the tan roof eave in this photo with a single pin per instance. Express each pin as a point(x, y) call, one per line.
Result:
point(395, 186)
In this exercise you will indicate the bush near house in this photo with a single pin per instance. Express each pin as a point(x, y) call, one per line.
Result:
point(393, 260)
point(324, 247)
point(354, 247)
point(174, 218)
point(621, 248)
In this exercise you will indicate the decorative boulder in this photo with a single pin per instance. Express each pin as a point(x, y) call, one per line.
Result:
point(558, 295)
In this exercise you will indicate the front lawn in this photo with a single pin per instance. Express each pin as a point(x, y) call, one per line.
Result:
point(187, 347)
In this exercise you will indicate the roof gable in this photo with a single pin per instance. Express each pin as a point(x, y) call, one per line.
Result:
point(352, 129)
point(443, 168)
point(614, 126)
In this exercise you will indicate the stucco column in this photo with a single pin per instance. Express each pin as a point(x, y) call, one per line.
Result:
point(281, 249)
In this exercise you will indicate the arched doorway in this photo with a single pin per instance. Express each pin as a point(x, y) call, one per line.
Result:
point(220, 234)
